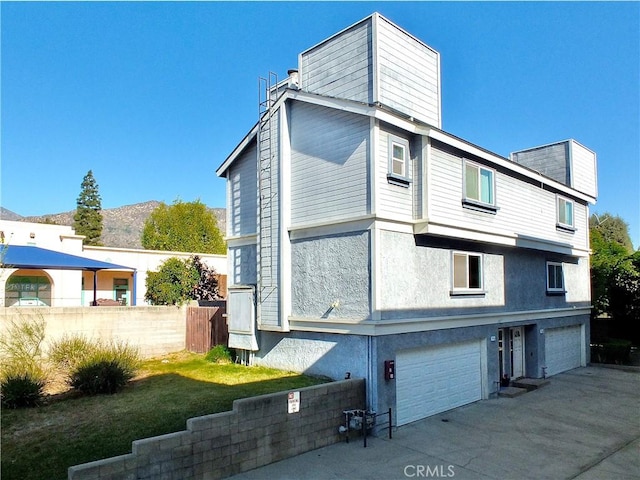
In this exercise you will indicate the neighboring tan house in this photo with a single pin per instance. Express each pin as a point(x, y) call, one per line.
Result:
point(388, 248)
point(55, 269)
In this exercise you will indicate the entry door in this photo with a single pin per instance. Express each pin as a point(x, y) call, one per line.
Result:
point(517, 352)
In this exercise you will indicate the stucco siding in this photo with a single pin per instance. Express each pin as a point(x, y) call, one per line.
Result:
point(330, 355)
point(341, 66)
point(409, 81)
point(331, 276)
point(329, 168)
point(524, 210)
point(242, 194)
point(578, 280)
point(418, 277)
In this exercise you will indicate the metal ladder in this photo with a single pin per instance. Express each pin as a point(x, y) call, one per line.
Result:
point(267, 153)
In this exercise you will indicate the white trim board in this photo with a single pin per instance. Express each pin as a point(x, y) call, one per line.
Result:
point(354, 326)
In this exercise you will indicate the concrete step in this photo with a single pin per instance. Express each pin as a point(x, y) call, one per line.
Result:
point(511, 392)
point(529, 383)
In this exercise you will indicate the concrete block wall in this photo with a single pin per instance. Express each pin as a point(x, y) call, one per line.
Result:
point(156, 330)
point(258, 431)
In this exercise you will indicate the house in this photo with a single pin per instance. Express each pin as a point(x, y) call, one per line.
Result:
point(48, 265)
point(390, 249)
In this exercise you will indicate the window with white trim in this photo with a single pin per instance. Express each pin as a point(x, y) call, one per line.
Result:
point(398, 161)
point(467, 272)
point(565, 213)
point(479, 185)
point(555, 277)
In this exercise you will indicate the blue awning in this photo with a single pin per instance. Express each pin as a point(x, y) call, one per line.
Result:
point(26, 256)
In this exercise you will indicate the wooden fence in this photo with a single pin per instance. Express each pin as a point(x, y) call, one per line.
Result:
point(206, 327)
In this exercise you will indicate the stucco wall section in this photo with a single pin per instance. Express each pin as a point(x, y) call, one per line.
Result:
point(332, 270)
point(416, 277)
point(330, 355)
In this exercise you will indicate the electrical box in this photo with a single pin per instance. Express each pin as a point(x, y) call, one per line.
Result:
point(389, 369)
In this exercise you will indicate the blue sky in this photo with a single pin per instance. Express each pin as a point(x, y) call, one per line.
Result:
point(153, 96)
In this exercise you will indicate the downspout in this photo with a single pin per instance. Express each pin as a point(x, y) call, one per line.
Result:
point(370, 369)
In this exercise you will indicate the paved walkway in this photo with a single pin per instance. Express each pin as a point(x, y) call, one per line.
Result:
point(584, 425)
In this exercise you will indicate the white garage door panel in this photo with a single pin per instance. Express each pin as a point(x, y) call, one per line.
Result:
point(436, 379)
point(563, 349)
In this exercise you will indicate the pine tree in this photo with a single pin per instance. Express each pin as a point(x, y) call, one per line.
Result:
point(88, 218)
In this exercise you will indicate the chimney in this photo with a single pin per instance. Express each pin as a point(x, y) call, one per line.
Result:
point(294, 80)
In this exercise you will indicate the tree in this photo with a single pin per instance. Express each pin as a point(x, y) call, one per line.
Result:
point(178, 281)
point(207, 286)
point(183, 227)
point(172, 283)
point(87, 220)
point(615, 274)
point(612, 228)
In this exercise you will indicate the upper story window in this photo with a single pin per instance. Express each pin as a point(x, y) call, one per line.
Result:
point(479, 187)
point(555, 278)
point(565, 213)
point(467, 273)
point(398, 161)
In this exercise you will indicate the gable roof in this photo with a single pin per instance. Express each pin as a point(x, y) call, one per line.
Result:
point(27, 256)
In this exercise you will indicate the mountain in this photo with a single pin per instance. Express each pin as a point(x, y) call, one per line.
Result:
point(121, 226)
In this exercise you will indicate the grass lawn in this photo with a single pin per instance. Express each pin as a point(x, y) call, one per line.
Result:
point(41, 443)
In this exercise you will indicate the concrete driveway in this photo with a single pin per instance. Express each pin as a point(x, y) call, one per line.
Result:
point(585, 425)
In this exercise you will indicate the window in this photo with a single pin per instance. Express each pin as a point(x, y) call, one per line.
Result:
point(33, 288)
point(555, 278)
point(565, 213)
point(398, 161)
point(467, 272)
point(479, 187)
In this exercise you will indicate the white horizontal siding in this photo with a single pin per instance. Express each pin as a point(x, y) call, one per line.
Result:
point(328, 164)
point(242, 194)
point(393, 201)
point(524, 209)
point(409, 74)
point(341, 66)
point(583, 165)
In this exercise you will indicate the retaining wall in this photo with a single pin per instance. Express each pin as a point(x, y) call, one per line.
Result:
point(258, 431)
point(155, 330)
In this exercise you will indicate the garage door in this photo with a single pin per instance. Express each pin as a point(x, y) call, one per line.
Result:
point(435, 379)
point(563, 349)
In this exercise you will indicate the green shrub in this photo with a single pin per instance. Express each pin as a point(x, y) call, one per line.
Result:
point(612, 351)
point(19, 389)
point(102, 376)
point(21, 343)
point(219, 354)
point(104, 368)
point(70, 351)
